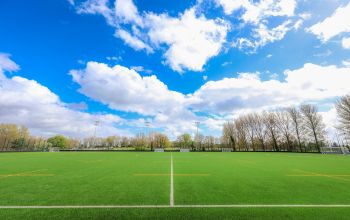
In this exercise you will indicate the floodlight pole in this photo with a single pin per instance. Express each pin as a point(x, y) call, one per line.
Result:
point(96, 123)
point(147, 124)
point(197, 126)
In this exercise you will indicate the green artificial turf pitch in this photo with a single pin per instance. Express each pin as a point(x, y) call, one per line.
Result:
point(110, 185)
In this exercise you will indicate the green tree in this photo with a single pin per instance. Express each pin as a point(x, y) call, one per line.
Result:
point(58, 141)
point(185, 140)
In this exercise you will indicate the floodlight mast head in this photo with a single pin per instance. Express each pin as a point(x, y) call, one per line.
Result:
point(147, 124)
point(197, 123)
point(96, 123)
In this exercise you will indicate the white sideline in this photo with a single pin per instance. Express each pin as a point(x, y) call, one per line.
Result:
point(178, 206)
point(171, 181)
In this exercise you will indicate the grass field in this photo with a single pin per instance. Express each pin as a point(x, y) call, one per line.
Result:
point(129, 185)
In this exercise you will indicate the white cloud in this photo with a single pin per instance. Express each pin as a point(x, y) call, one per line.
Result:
point(205, 78)
point(6, 64)
point(305, 16)
point(346, 43)
point(309, 83)
point(256, 17)
point(127, 12)
point(326, 53)
point(226, 63)
point(141, 69)
point(262, 35)
point(26, 102)
point(71, 2)
point(255, 11)
point(230, 6)
point(97, 7)
point(133, 41)
point(346, 63)
point(192, 39)
point(334, 25)
point(114, 58)
point(124, 89)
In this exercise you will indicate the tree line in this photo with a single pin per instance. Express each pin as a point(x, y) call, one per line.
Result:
point(18, 138)
point(293, 129)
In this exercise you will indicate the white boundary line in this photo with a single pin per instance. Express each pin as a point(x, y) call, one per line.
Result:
point(178, 206)
point(266, 206)
point(171, 181)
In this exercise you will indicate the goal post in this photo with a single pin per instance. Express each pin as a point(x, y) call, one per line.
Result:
point(159, 150)
point(226, 149)
point(54, 149)
point(184, 150)
point(335, 150)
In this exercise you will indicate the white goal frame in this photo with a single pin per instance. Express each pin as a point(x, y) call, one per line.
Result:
point(159, 150)
point(226, 149)
point(54, 149)
point(335, 150)
point(184, 150)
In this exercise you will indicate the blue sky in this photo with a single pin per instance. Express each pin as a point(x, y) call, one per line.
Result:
point(170, 63)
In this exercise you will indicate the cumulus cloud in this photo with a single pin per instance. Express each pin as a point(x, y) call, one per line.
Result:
point(346, 43)
point(262, 35)
point(26, 102)
point(190, 39)
point(124, 89)
point(255, 11)
point(126, 11)
point(133, 41)
point(141, 69)
point(6, 64)
point(333, 25)
point(309, 83)
point(100, 7)
point(256, 16)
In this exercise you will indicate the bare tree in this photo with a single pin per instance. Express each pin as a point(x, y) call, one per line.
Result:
point(296, 118)
point(229, 134)
point(242, 133)
point(284, 124)
point(199, 141)
point(209, 142)
point(249, 123)
point(343, 112)
point(313, 123)
point(259, 129)
point(271, 122)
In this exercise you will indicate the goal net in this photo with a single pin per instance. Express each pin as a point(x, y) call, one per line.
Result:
point(54, 149)
point(184, 150)
point(335, 150)
point(226, 149)
point(158, 150)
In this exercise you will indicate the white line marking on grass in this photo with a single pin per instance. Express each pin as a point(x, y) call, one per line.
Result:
point(83, 206)
point(266, 206)
point(178, 206)
point(171, 181)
